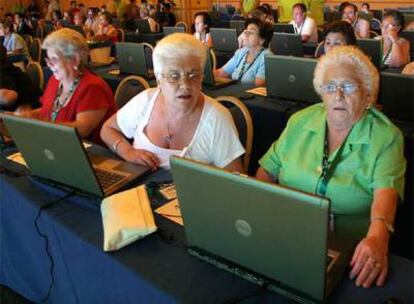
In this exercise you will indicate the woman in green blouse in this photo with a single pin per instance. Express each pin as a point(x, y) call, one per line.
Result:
point(347, 150)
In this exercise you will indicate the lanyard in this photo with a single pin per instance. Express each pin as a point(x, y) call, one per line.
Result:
point(328, 168)
point(243, 69)
point(384, 59)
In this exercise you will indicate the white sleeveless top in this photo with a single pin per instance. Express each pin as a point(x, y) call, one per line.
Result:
point(215, 140)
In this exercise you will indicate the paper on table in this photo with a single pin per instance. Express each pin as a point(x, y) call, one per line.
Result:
point(258, 91)
point(171, 211)
point(17, 158)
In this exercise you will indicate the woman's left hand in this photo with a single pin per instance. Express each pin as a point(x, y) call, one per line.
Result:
point(370, 261)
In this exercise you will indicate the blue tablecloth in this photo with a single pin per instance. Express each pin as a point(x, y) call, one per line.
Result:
point(156, 269)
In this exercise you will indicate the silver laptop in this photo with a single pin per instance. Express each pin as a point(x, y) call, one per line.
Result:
point(168, 30)
point(132, 59)
point(55, 152)
point(295, 83)
point(224, 39)
point(210, 80)
point(271, 235)
point(286, 44)
point(373, 49)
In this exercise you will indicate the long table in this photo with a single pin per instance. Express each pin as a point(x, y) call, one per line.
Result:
point(156, 269)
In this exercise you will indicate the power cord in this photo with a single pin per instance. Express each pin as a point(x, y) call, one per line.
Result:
point(44, 236)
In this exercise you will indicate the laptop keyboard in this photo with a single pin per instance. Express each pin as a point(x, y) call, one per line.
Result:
point(106, 178)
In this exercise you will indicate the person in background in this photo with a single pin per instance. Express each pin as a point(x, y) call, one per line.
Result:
point(74, 8)
point(82, 9)
point(248, 63)
point(67, 18)
point(360, 25)
point(254, 14)
point(13, 42)
point(365, 8)
point(175, 118)
point(92, 22)
point(33, 10)
point(396, 50)
point(131, 12)
point(304, 26)
point(57, 19)
point(21, 27)
point(79, 20)
point(144, 14)
point(166, 17)
point(348, 151)
point(106, 31)
point(73, 96)
point(51, 7)
point(338, 33)
point(18, 93)
point(202, 24)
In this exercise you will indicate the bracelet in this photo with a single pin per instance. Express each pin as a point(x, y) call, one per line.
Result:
point(389, 227)
point(116, 144)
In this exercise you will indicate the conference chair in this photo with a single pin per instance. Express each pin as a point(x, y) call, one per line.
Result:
point(128, 88)
point(244, 125)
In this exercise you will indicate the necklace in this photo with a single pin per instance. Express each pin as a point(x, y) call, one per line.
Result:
point(168, 137)
point(244, 69)
point(60, 102)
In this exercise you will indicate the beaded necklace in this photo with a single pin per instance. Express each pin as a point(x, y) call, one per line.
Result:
point(60, 102)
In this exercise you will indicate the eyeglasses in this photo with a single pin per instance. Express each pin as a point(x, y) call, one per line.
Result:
point(249, 33)
point(52, 61)
point(175, 77)
point(346, 88)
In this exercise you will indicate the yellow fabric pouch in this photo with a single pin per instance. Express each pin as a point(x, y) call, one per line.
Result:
point(126, 217)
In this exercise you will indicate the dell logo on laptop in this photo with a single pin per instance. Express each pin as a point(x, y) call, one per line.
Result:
point(243, 227)
point(49, 154)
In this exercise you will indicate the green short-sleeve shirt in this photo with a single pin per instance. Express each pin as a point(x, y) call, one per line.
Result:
point(372, 158)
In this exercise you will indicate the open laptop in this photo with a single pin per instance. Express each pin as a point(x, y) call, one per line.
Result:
point(132, 59)
point(55, 152)
point(224, 39)
point(283, 28)
point(286, 44)
point(296, 81)
point(373, 49)
point(168, 30)
point(238, 25)
point(396, 96)
point(271, 235)
point(209, 78)
point(143, 26)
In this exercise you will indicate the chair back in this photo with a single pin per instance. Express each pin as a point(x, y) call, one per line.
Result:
point(28, 39)
point(128, 88)
point(319, 51)
point(213, 59)
point(35, 49)
point(244, 125)
point(148, 49)
point(121, 35)
point(183, 25)
point(35, 72)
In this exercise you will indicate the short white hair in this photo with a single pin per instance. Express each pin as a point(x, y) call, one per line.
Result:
point(368, 73)
point(177, 46)
point(67, 43)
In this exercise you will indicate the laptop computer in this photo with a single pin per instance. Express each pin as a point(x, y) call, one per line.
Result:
point(168, 30)
point(209, 78)
point(397, 95)
point(224, 39)
point(55, 152)
point(132, 59)
point(296, 81)
point(373, 49)
point(271, 235)
point(283, 28)
point(143, 26)
point(286, 44)
point(238, 25)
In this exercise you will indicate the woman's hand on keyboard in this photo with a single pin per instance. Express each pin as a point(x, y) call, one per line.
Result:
point(142, 157)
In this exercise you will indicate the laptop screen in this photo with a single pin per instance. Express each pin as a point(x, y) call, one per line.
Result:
point(274, 231)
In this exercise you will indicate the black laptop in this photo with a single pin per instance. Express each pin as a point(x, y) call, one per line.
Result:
point(143, 26)
point(55, 152)
point(373, 49)
point(224, 39)
point(291, 78)
point(397, 96)
point(133, 59)
point(210, 80)
point(168, 30)
point(286, 44)
point(283, 28)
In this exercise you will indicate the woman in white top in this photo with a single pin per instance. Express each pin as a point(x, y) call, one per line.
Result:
point(202, 23)
point(175, 118)
point(396, 50)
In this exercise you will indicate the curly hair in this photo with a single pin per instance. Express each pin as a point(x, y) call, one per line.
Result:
point(368, 74)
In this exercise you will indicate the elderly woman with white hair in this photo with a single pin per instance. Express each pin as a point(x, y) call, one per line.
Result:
point(74, 96)
point(348, 151)
point(175, 118)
